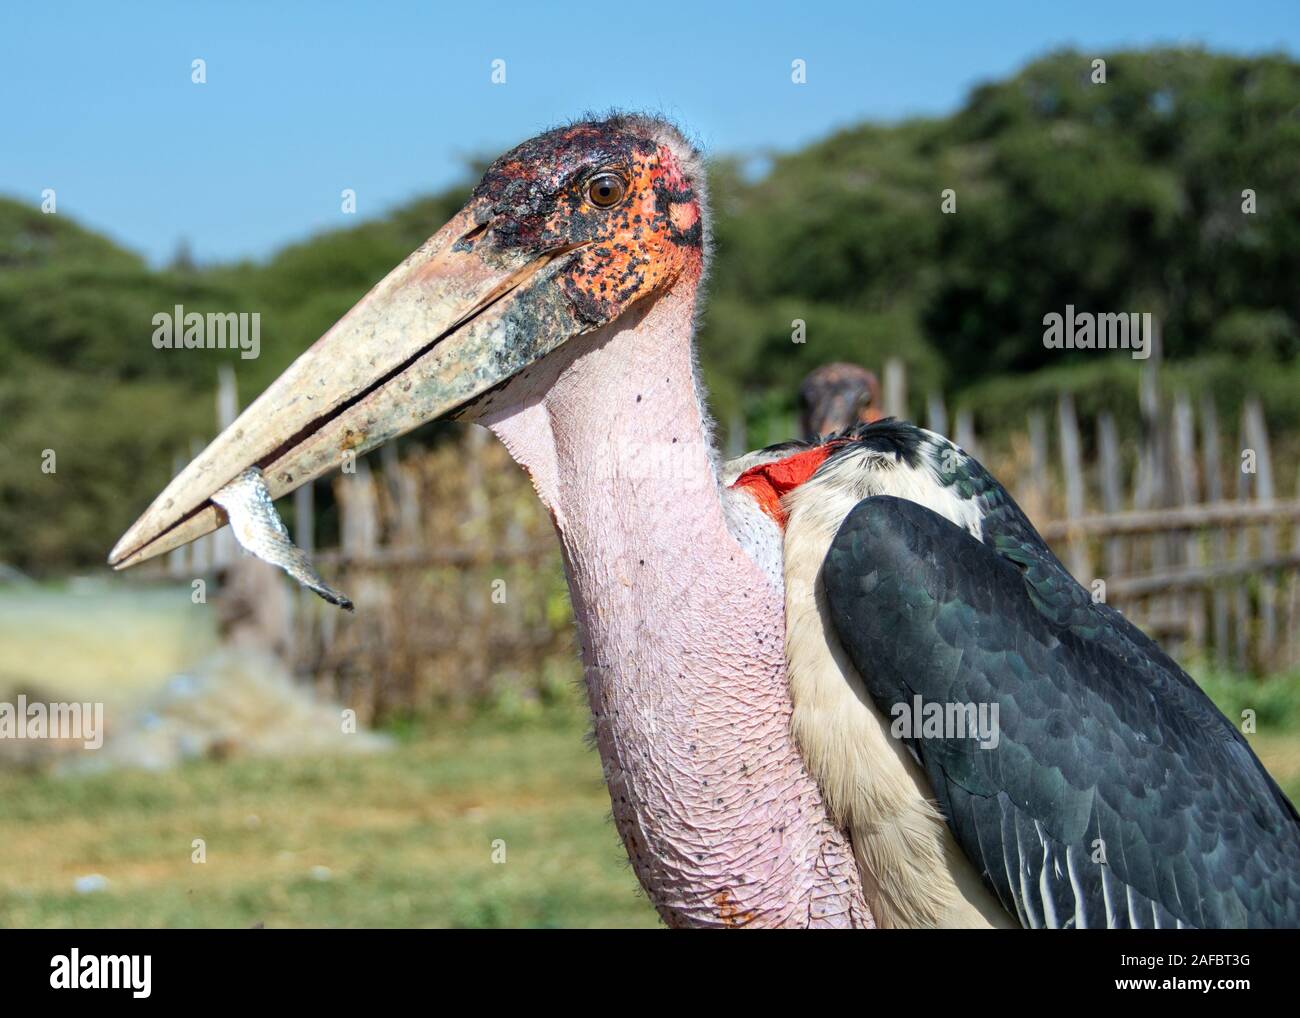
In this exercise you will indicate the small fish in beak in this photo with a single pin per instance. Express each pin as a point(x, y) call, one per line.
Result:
point(261, 532)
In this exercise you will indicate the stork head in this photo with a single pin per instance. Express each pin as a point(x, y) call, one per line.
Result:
point(562, 236)
point(621, 194)
point(837, 396)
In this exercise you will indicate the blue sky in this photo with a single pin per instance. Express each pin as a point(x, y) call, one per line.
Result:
point(305, 99)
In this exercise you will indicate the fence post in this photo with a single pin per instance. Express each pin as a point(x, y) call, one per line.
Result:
point(1111, 500)
point(1041, 505)
point(358, 513)
point(737, 440)
point(936, 414)
point(1257, 436)
point(201, 549)
point(1191, 604)
point(304, 535)
point(1240, 596)
point(476, 656)
point(1158, 482)
point(223, 541)
point(964, 427)
point(1293, 595)
point(1072, 470)
point(895, 389)
point(178, 559)
point(1213, 472)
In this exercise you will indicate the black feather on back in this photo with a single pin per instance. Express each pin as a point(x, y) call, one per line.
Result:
point(900, 439)
point(1107, 749)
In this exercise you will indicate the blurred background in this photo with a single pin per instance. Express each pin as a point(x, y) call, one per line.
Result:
point(227, 791)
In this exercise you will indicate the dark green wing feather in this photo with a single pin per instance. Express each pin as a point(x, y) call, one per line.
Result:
point(1106, 749)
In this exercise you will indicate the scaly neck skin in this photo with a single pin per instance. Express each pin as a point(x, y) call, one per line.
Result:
point(682, 637)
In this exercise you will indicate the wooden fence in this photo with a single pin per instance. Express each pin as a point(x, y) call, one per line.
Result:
point(1181, 528)
point(458, 569)
point(459, 572)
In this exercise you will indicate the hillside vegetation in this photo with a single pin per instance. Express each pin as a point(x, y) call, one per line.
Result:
point(1123, 196)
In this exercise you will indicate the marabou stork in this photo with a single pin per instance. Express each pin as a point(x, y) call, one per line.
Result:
point(750, 629)
point(836, 396)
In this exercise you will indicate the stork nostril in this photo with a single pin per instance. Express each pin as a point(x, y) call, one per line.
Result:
point(467, 242)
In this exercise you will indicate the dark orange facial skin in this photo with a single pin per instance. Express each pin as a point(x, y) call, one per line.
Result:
point(535, 199)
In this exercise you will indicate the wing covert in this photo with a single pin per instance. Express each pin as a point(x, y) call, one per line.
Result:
point(1103, 744)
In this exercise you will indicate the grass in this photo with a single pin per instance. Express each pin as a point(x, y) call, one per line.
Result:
point(1273, 704)
point(405, 838)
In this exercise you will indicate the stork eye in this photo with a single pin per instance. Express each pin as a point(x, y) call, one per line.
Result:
point(605, 190)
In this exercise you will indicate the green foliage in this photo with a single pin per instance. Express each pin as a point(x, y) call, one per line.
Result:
point(31, 239)
point(1123, 196)
point(113, 443)
point(1274, 702)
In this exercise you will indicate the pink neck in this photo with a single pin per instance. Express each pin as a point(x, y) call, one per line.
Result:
point(682, 637)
